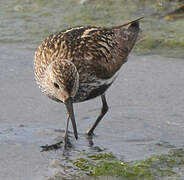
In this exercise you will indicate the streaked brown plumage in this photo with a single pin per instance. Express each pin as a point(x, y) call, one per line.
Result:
point(80, 63)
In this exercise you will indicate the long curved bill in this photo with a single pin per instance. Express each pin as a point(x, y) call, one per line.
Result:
point(69, 107)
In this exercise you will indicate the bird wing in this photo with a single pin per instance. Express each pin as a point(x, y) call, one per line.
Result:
point(99, 50)
point(102, 50)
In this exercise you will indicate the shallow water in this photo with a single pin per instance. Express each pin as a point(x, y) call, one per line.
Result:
point(145, 116)
point(146, 101)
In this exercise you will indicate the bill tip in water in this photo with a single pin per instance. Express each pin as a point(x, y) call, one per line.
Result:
point(76, 135)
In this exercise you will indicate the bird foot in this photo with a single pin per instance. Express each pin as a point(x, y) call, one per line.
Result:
point(56, 146)
point(51, 147)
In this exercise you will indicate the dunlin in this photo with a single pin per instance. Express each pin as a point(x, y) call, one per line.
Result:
point(81, 63)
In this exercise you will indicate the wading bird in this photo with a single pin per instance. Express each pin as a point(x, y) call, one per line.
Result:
point(81, 63)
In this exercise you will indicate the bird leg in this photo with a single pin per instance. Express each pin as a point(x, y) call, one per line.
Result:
point(69, 107)
point(67, 142)
point(66, 139)
point(103, 112)
point(57, 145)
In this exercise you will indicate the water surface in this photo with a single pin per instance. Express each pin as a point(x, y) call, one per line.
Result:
point(146, 101)
point(145, 116)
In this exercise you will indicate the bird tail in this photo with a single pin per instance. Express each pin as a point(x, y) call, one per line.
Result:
point(134, 27)
point(134, 23)
point(128, 36)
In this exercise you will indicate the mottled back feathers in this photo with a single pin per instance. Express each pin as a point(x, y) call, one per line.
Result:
point(96, 52)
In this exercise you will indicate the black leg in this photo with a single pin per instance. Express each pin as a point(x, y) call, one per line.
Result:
point(66, 130)
point(103, 112)
point(66, 139)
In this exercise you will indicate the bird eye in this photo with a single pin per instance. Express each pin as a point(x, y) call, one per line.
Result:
point(56, 85)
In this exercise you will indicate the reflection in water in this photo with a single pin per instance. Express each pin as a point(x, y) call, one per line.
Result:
point(60, 159)
point(66, 149)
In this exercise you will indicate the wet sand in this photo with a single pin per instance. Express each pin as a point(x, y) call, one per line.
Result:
point(145, 116)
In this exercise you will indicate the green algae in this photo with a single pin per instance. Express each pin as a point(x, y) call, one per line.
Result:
point(164, 166)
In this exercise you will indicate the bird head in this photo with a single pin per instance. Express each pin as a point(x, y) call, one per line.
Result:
point(61, 83)
point(61, 80)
